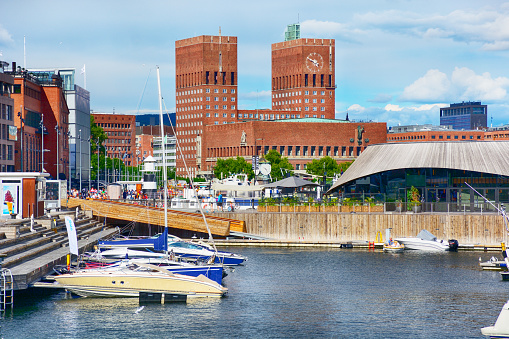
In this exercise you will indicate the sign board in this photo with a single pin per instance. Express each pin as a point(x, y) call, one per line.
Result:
point(53, 194)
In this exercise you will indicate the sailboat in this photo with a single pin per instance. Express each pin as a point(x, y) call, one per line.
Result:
point(132, 279)
point(501, 327)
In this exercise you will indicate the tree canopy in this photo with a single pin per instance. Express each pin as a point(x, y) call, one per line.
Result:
point(226, 167)
point(323, 166)
point(96, 133)
point(280, 166)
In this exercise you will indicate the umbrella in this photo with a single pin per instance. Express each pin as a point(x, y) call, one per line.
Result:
point(291, 182)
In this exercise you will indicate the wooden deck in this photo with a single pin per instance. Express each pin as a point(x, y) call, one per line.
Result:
point(155, 216)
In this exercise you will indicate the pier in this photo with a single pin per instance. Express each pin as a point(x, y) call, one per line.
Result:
point(30, 251)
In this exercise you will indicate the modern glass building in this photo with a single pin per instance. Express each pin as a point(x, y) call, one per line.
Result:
point(465, 115)
point(439, 170)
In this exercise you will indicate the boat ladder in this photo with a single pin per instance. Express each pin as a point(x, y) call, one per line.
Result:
point(6, 289)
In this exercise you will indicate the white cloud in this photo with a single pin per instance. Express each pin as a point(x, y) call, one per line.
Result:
point(357, 108)
point(5, 36)
point(433, 86)
point(391, 107)
point(463, 85)
point(479, 87)
point(488, 27)
point(256, 95)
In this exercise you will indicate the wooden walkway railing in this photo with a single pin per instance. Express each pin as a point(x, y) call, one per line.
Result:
point(155, 216)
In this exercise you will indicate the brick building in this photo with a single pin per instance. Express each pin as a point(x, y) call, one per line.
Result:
point(301, 140)
point(7, 129)
point(40, 100)
point(300, 124)
point(121, 132)
point(443, 135)
point(303, 80)
point(206, 90)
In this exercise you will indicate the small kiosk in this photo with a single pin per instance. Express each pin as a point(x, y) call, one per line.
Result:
point(22, 194)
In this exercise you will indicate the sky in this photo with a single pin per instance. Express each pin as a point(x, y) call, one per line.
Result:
point(397, 61)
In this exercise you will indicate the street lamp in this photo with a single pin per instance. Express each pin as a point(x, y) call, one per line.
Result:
point(90, 165)
point(20, 115)
point(79, 137)
point(58, 159)
point(69, 159)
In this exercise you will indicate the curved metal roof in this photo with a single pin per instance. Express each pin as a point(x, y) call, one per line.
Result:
point(478, 156)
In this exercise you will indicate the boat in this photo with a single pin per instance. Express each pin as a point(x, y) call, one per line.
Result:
point(133, 279)
point(149, 247)
point(110, 258)
point(393, 247)
point(494, 264)
point(501, 327)
point(425, 241)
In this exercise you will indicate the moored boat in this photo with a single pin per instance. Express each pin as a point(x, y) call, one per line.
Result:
point(133, 279)
point(501, 327)
point(393, 247)
point(425, 241)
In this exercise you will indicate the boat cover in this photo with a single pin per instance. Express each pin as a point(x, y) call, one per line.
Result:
point(159, 244)
point(426, 235)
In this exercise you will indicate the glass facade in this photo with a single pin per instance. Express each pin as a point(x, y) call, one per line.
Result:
point(434, 185)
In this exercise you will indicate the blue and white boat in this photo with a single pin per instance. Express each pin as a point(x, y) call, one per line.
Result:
point(151, 247)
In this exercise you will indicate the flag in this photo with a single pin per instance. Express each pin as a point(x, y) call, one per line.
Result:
point(71, 233)
point(125, 156)
point(83, 69)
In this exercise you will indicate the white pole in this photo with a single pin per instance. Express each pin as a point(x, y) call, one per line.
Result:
point(80, 158)
point(165, 174)
point(58, 132)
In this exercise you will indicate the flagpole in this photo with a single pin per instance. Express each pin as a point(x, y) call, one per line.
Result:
point(84, 72)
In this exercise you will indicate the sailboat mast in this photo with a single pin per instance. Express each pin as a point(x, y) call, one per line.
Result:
point(165, 173)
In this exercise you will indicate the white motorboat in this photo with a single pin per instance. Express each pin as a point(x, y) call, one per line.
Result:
point(501, 327)
point(494, 264)
point(133, 279)
point(425, 241)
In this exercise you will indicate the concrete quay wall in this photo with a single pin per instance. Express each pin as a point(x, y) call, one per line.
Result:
point(468, 229)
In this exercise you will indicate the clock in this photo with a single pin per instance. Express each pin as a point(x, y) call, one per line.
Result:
point(314, 62)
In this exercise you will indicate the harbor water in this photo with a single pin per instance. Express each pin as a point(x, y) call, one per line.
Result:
point(300, 293)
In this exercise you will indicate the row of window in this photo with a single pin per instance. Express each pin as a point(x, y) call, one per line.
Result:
point(109, 125)
point(207, 90)
point(6, 152)
point(6, 112)
point(433, 137)
point(291, 94)
point(118, 134)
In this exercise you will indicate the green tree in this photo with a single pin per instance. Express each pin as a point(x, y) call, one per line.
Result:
point(226, 167)
point(323, 165)
point(280, 166)
point(97, 138)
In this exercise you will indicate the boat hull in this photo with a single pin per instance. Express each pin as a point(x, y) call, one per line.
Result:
point(127, 284)
point(423, 245)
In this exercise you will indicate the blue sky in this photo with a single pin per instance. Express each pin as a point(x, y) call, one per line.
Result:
point(397, 61)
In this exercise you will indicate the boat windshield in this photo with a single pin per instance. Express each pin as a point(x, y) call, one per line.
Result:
point(183, 244)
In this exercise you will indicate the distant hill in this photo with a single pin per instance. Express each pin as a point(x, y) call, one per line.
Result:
point(153, 119)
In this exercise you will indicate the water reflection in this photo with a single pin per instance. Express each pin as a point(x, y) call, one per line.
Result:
point(296, 293)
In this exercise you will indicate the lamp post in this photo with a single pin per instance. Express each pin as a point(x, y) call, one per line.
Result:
point(58, 159)
point(90, 165)
point(98, 156)
point(20, 115)
point(79, 137)
point(42, 142)
point(69, 161)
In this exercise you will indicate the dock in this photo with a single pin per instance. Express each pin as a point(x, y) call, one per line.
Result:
point(29, 251)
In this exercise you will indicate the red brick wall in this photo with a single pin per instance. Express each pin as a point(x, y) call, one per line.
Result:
point(338, 140)
point(291, 63)
point(114, 146)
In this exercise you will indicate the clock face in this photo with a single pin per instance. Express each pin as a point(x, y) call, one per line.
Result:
point(314, 62)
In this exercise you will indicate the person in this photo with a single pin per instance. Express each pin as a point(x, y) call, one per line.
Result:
point(391, 242)
point(220, 202)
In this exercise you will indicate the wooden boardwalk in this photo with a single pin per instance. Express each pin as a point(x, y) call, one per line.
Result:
point(155, 216)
